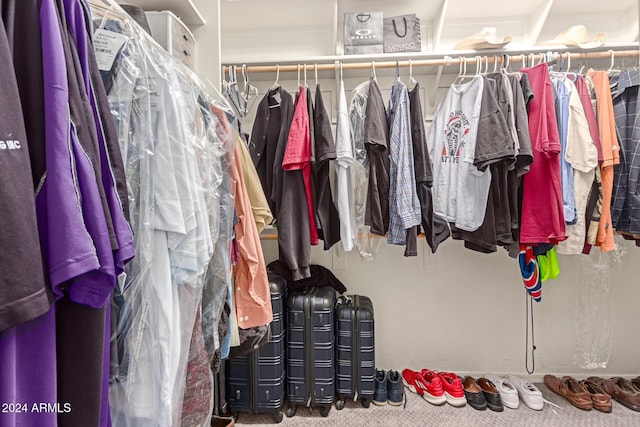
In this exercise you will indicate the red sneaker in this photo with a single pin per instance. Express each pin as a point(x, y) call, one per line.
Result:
point(431, 390)
point(452, 385)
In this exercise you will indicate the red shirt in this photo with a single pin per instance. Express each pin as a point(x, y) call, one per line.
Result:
point(542, 211)
point(297, 155)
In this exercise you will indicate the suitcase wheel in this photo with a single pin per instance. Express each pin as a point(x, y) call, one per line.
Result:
point(291, 411)
point(366, 402)
point(278, 417)
point(340, 405)
point(324, 411)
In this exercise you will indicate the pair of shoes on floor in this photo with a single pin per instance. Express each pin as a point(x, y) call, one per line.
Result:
point(584, 395)
point(626, 392)
point(482, 393)
point(506, 389)
point(512, 388)
point(435, 387)
point(388, 388)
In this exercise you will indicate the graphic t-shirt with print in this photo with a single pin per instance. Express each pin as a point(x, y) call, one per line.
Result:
point(460, 189)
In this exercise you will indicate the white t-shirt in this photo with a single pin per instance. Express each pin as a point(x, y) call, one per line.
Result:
point(344, 198)
point(460, 189)
point(583, 156)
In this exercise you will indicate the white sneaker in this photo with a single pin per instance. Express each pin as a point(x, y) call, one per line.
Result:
point(508, 393)
point(529, 393)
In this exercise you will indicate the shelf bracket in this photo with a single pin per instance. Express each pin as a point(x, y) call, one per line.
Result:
point(537, 21)
point(434, 93)
point(439, 24)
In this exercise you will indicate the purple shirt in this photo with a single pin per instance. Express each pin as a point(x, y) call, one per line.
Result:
point(66, 242)
point(75, 16)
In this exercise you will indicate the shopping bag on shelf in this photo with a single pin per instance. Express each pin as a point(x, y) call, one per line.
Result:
point(363, 33)
point(402, 34)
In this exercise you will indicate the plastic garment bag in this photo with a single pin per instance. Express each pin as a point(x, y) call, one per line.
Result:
point(175, 145)
point(594, 321)
point(367, 244)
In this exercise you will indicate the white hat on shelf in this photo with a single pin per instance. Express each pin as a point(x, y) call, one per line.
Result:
point(487, 38)
point(577, 36)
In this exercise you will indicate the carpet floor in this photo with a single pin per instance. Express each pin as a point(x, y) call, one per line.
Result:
point(420, 413)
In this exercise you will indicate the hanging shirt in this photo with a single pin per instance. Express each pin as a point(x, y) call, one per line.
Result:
point(524, 156)
point(325, 151)
point(366, 243)
point(344, 197)
point(582, 155)
point(626, 203)
point(542, 209)
point(297, 155)
point(562, 109)
point(460, 189)
point(259, 205)
point(252, 296)
point(436, 229)
point(270, 129)
point(25, 295)
point(112, 169)
point(587, 106)
point(610, 156)
point(494, 151)
point(404, 206)
point(594, 204)
point(376, 141)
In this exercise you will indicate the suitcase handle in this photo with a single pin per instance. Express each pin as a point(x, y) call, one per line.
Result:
point(345, 300)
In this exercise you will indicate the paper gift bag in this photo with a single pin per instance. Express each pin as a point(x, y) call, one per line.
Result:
point(363, 33)
point(402, 34)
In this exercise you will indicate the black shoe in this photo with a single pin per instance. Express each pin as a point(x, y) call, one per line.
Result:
point(491, 395)
point(395, 391)
point(380, 391)
point(473, 393)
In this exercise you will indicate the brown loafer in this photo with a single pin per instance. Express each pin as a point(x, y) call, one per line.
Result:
point(570, 389)
point(636, 383)
point(601, 400)
point(621, 390)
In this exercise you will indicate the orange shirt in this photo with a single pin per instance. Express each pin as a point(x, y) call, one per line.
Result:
point(610, 154)
point(252, 296)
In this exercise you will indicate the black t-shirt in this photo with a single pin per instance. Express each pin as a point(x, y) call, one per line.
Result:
point(25, 294)
point(494, 150)
point(376, 139)
point(325, 151)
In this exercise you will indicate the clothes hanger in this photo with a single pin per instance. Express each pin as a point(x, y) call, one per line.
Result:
point(495, 63)
point(373, 71)
point(506, 69)
point(412, 81)
point(571, 74)
point(398, 70)
point(611, 69)
point(305, 76)
point(462, 74)
point(250, 91)
point(276, 84)
point(315, 66)
point(299, 75)
point(233, 92)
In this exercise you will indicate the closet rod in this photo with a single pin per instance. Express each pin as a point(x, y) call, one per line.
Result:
point(490, 57)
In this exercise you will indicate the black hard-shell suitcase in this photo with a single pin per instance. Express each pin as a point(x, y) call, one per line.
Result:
point(256, 381)
point(310, 349)
point(355, 350)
